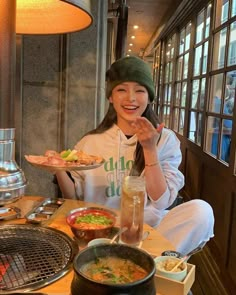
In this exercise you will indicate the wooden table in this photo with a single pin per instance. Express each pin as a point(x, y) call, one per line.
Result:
point(155, 243)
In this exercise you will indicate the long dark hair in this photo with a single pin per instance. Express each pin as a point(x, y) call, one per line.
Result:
point(111, 118)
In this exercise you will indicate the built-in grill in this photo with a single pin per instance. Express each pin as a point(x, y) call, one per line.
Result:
point(32, 257)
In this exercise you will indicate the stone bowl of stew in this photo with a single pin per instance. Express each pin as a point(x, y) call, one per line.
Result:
point(89, 223)
point(113, 269)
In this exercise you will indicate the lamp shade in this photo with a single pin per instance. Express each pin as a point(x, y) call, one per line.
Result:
point(52, 16)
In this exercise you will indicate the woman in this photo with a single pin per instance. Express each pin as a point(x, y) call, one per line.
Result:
point(131, 141)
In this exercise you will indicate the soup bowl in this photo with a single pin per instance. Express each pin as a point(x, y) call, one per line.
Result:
point(96, 222)
point(83, 284)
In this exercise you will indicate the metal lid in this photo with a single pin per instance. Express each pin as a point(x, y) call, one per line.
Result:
point(12, 178)
point(11, 181)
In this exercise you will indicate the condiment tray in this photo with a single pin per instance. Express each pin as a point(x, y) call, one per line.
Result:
point(44, 210)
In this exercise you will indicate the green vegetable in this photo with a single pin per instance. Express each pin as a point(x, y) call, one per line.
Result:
point(72, 156)
point(65, 154)
point(94, 219)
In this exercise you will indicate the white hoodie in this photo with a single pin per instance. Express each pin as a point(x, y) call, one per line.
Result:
point(103, 185)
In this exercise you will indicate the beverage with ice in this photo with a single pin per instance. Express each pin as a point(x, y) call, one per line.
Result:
point(132, 209)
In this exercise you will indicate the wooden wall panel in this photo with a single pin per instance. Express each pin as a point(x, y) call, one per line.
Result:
point(231, 266)
point(215, 191)
point(192, 173)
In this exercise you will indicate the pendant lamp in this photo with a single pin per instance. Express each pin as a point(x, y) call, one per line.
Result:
point(52, 16)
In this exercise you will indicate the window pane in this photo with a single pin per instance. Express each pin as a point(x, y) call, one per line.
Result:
point(197, 60)
point(205, 56)
point(195, 91)
point(212, 137)
point(167, 116)
point(184, 93)
point(161, 72)
point(232, 45)
point(200, 27)
point(167, 72)
point(226, 140)
point(172, 52)
point(219, 49)
point(216, 93)
point(181, 41)
point(180, 68)
point(169, 93)
point(199, 129)
point(168, 51)
point(187, 38)
point(202, 94)
point(208, 21)
point(192, 126)
point(222, 11)
point(186, 57)
point(177, 94)
point(230, 93)
point(176, 119)
point(181, 121)
point(170, 72)
point(233, 10)
point(166, 94)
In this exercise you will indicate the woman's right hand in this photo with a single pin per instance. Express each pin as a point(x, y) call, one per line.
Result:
point(147, 135)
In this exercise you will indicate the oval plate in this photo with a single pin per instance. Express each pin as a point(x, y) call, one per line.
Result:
point(35, 161)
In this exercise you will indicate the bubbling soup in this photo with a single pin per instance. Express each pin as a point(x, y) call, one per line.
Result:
point(113, 270)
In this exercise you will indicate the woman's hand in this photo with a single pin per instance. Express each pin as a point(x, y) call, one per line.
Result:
point(147, 135)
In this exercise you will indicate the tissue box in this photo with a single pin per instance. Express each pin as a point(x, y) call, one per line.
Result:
point(166, 286)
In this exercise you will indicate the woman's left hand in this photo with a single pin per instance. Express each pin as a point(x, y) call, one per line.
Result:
point(147, 135)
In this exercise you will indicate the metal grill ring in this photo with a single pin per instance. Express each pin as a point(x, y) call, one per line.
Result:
point(32, 257)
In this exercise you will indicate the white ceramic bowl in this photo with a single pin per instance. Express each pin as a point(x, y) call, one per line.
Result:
point(98, 241)
point(163, 263)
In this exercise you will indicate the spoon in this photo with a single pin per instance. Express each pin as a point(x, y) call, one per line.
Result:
point(120, 231)
point(135, 224)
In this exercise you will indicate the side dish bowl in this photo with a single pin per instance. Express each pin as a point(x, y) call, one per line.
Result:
point(164, 264)
point(91, 222)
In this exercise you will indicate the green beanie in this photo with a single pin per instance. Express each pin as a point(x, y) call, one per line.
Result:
point(130, 69)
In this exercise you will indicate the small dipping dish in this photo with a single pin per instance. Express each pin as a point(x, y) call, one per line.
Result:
point(99, 241)
point(164, 264)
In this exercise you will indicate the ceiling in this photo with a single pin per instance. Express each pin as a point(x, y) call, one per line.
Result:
point(150, 16)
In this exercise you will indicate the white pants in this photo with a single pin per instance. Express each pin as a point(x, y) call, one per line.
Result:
point(188, 225)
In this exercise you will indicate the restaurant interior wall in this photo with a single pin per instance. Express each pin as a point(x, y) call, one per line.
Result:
point(60, 93)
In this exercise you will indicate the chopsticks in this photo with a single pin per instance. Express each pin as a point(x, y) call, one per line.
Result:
point(117, 234)
point(182, 260)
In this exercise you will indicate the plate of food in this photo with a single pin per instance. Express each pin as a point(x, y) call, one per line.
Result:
point(67, 160)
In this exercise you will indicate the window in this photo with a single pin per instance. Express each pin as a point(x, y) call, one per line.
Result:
point(222, 11)
point(221, 98)
point(181, 79)
point(198, 85)
point(157, 71)
point(168, 79)
point(198, 91)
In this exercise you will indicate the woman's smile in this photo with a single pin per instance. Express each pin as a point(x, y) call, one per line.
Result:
point(130, 108)
point(130, 100)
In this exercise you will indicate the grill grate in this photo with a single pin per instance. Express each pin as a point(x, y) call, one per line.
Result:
point(32, 257)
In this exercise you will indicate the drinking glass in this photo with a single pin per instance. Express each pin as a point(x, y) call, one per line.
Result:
point(132, 209)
